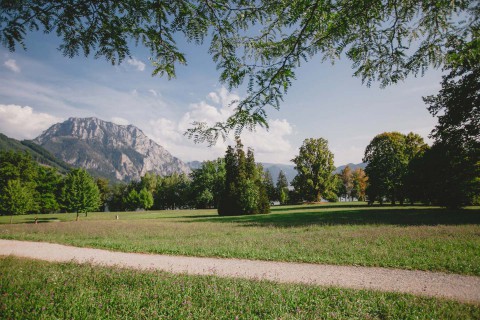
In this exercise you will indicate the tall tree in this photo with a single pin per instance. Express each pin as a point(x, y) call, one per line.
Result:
point(388, 156)
point(269, 186)
point(314, 165)
point(80, 192)
point(282, 188)
point(244, 191)
point(260, 43)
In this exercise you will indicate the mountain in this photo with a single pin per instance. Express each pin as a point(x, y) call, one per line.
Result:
point(275, 168)
point(106, 149)
point(352, 166)
point(39, 154)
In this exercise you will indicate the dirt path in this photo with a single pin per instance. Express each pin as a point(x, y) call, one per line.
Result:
point(433, 284)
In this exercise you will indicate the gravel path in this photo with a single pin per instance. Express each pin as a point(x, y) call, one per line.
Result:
point(433, 284)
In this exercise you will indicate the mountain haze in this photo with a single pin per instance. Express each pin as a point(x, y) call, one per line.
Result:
point(106, 149)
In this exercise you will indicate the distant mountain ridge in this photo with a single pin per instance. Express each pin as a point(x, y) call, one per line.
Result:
point(352, 166)
point(106, 149)
point(39, 154)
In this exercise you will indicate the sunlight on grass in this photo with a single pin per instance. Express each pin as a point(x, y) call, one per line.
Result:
point(425, 238)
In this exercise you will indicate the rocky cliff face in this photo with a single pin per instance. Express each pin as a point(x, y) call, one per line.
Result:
point(107, 149)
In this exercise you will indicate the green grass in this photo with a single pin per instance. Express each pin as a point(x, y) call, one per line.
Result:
point(40, 290)
point(423, 238)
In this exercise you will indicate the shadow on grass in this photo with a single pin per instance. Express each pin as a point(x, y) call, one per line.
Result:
point(387, 216)
point(41, 220)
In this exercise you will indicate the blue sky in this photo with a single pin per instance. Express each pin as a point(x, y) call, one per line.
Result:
point(39, 87)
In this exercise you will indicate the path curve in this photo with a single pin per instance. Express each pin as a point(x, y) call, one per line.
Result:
point(433, 284)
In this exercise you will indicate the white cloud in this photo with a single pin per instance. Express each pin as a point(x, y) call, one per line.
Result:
point(120, 121)
point(269, 146)
point(12, 65)
point(214, 97)
point(153, 92)
point(13, 117)
point(136, 63)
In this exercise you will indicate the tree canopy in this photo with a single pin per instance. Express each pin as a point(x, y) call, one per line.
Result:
point(258, 44)
point(314, 164)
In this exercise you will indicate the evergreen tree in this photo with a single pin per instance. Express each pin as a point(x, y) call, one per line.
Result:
point(282, 188)
point(207, 184)
point(80, 192)
point(105, 192)
point(269, 186)
point(244, 191)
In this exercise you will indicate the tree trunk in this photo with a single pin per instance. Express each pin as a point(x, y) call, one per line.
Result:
point(86, 214)
point(11, 219)
point(77, 217)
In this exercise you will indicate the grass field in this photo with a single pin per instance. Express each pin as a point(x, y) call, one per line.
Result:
point(40, 290)
point(423, 238)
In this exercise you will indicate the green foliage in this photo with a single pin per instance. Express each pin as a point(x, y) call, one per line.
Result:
point(314, 165)
point(244, 191)
point(131, 200)
point(360, 183)
point(388, 156)
point(80, 192)
point(48, 190)
point(269, 186)
point(17, 198)
point(145, 199)
point(172, 192)
point(258, 44)
point(282, 188)
point(105, 193)
point(207, 184)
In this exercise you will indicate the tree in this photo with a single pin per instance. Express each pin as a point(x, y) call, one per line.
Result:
point(360, 181)
point(132, 200)
point(387, 157)
point(347, 181)
point(260, 43)
point(314, 165)
point(244, 191)
point(207, 184)
point(80, 192)
point(17, 198)
point(105, 192)
point(47, 190)
point(145, 199)
point(269, 186)
point(282, 188)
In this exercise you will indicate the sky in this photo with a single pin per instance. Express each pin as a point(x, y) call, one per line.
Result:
point(40, 87)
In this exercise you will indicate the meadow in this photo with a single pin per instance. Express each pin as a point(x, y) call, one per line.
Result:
point(40, 290)
point(407, 237)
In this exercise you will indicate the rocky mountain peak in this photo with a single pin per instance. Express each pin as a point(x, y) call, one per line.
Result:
point(104, 148)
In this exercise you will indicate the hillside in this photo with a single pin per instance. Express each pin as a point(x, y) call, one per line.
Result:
point(39, 154)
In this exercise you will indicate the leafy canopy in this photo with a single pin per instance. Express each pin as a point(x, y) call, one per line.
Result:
point(258, 44)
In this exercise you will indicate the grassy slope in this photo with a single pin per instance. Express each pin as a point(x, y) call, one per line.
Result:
point(402, 237)
point(40, 290)
point(38, 153)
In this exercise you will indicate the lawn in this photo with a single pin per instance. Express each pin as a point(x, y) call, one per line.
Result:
point(40, 290)
point(424, 238)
